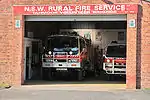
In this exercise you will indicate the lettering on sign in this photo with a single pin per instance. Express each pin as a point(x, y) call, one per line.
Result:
point(77, 8)
point(110, 7)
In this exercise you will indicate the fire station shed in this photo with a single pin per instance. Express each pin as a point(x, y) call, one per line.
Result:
point(16, 14)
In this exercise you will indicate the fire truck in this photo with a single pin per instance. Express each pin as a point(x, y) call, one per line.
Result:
point(66, 53)
point(114, 59)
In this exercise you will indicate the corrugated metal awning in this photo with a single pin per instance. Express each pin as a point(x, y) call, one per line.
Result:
point(78, 18)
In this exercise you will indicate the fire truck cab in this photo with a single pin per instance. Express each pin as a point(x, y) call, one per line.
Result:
point(66, 53)
point(114, 59)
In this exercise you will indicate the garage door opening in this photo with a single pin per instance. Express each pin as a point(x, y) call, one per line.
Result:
point(100, 34)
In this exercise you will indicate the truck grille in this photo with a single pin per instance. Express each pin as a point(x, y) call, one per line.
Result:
point(60, 60)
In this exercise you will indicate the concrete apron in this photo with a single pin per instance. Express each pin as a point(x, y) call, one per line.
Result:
point(78, 86)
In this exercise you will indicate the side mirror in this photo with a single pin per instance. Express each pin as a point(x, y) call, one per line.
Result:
point(44, 48)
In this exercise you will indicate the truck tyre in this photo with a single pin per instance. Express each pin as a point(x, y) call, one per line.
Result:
point(50, 75)
point(110, 77)
point(80, 75)
point(44, 74)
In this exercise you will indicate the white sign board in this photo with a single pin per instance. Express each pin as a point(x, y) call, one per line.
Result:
point(17, 24)
point(132, 23)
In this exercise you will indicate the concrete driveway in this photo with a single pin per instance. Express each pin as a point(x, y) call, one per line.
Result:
point(73, 92)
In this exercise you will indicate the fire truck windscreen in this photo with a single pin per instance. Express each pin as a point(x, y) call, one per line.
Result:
point(63, 44)
point(116, 51)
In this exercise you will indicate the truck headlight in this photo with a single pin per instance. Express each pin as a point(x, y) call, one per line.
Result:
point(49, 52)
point(73, 61)
point(70, 52)
point(108, 60)
point(69, 61)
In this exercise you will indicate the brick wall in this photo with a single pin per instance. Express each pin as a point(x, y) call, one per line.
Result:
point(11, 42)
point(131, 73)
point(5, 47)
point(18, 52)
point(145, 47)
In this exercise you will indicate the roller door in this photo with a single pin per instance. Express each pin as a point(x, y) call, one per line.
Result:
point(77, 18)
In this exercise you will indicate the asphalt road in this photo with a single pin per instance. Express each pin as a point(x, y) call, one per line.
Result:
point(76, 92)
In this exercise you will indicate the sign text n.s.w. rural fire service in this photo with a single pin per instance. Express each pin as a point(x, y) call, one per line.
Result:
point(76, 9)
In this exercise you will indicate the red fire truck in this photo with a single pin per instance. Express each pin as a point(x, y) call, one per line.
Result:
point(114, 62)
point(66, 53)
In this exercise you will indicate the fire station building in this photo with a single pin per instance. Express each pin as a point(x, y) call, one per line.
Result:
point(24, 18)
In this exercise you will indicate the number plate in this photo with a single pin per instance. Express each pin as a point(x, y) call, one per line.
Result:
point(61, 68)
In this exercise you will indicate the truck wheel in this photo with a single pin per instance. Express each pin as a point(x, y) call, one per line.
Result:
point(50, 75)
point(45, 74)
point(80, 75)
point(110, 77)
